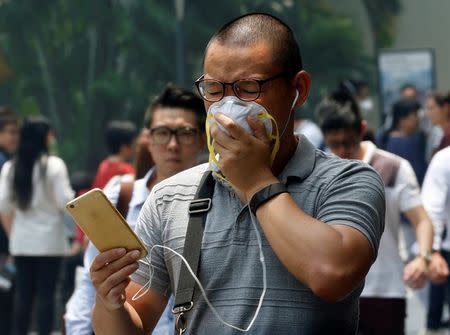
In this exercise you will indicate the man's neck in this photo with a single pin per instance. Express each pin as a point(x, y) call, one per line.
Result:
point(156, 178)
point(402, 132)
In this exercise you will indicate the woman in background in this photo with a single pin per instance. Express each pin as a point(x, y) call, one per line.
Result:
point(404, 138)
point(36, 187)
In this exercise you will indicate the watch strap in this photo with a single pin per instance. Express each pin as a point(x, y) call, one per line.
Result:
point(426, 257)
point(265, 195)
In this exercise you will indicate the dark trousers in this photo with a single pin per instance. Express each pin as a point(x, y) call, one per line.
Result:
point(379, 316)
point(35, 283)
point(68, 268)
point(438, 295)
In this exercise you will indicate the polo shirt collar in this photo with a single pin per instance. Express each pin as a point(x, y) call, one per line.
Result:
point(302, 162)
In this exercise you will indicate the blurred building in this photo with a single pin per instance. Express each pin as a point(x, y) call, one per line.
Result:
point(420, 24)
point(424, 24)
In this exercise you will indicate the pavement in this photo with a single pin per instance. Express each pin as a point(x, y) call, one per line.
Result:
point(416, 312)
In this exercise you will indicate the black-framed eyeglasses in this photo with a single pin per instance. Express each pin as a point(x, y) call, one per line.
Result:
point(184, 135)
point(245, 89)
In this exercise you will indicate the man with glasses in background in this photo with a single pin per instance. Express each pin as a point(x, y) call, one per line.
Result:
point(313, 221)
point(175, 120)
point(383, 300)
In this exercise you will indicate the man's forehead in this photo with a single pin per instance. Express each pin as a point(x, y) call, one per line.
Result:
point(224, 60)
point(173, 112)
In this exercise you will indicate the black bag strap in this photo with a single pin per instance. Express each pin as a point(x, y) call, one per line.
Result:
point(198, 210)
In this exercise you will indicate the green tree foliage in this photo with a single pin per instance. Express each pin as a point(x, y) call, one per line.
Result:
point(382, 15)
point(82, 63)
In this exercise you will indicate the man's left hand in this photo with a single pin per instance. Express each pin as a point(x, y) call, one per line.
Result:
point(415, 273)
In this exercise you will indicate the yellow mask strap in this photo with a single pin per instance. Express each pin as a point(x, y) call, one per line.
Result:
point(209, 139)
point(275, 137)
point(210, 144)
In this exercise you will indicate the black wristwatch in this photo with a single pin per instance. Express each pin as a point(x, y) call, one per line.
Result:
point(266, 194)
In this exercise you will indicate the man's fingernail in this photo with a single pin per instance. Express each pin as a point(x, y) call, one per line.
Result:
point(121, 251)
point(135, 254)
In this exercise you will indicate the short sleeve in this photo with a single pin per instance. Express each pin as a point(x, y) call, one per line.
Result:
point(61, 183)
point(112, 189)
point(149, 229)
point(408, 187)
point(356, 198)
point(6, 203)
point(435, 193)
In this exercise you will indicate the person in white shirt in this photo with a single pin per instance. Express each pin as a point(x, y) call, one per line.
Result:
point(436, 200)
point(310, 130)
point(35, 186)
point(383, 300)
point(175, 120)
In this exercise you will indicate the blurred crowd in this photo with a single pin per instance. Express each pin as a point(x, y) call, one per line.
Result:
point(45, 257)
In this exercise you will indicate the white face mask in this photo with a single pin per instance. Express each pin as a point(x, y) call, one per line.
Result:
point(239, 110)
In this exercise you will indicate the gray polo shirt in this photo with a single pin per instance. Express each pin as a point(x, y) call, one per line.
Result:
point(330, 189)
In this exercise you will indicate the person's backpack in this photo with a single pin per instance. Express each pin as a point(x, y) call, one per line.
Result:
point(126, 191)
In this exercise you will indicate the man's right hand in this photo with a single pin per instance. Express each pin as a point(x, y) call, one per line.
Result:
point(438, 268)
point(110, 273)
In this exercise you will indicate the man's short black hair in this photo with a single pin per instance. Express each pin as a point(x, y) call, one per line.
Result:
point(250, 29)
point(175, 97)
point(7, 117)
point(119, 133)
point(339, 111)
point(403, 108)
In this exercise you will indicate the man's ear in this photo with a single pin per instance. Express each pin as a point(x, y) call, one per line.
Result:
point(302, 82)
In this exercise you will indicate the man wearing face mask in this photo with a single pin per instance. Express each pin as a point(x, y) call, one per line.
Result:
point(320, 218)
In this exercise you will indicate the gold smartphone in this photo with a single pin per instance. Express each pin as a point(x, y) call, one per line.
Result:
point(102, 222)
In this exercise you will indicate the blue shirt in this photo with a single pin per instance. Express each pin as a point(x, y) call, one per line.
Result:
point(411, 148)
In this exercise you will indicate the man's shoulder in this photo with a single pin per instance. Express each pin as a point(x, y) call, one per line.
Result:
point(182, 183)
point(443, 154)
point(331, 167)
point(440, 160)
